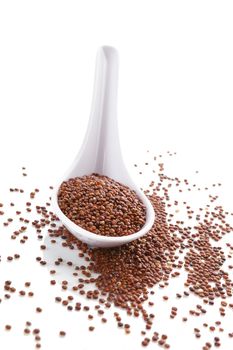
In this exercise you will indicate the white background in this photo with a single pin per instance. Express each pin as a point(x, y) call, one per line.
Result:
point(175, 93)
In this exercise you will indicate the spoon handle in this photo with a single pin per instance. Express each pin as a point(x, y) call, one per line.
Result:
point(101, 152)
point(103, 120)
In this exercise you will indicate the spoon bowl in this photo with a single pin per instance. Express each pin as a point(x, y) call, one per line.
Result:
point(101, 152)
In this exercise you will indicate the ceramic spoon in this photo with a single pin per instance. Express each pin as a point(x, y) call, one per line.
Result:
point(101, 151)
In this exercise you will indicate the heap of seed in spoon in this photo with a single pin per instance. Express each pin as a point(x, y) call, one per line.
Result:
point(124, 282)
point(101, 205)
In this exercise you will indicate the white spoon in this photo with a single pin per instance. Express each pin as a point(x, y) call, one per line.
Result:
point(101, 151)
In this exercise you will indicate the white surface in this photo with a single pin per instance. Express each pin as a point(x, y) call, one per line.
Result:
point(101, 151)
point(175, 93)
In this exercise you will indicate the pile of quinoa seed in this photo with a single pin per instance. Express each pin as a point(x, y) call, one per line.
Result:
point(188, 248)
point(102, 205)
